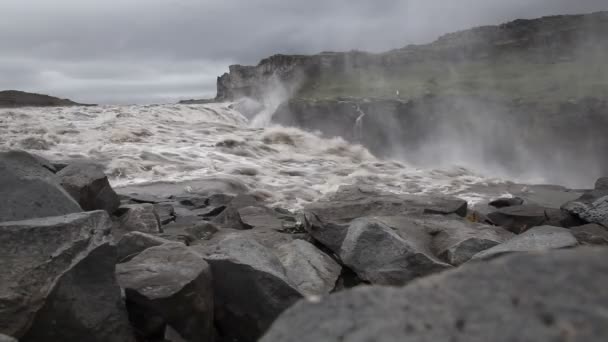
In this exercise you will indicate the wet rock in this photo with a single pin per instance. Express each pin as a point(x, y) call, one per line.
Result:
point(89, 186)
point(190, 233)
point(456, 240)
point(140, 218)
point(536, 239)
point(28, 190)
point(351, 202)
point(173, 282)
point(554, 295)
point(258, 217)
point(4, 338)
point(518, 219)
point(231, 217)
point(250, 286)
point(381, 256)
point(58, 283)
point(591, 234)
point(592, 207)
point(506, 202)
point(134, 243)
point(602, 184)
point(166, 212)
point(330, 234)
point(85, 305)
point(311, 271)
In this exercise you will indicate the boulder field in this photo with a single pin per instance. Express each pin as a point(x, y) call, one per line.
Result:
point(84, 262)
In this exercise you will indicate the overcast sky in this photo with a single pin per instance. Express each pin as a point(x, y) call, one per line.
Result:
point(145, 51)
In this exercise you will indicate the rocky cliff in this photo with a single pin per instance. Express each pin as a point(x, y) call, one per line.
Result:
point(14, 98)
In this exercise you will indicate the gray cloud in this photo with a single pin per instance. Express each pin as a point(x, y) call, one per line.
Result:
point(162, 50)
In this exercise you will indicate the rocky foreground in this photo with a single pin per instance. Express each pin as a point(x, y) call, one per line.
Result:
point(214, 263)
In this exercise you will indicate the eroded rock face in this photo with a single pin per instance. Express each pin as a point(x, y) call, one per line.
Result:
point(171, 282)
point(60, 268)
point(29, 190)
point(591, 234)
point(591, 207)
point(381, 256)
point(250, 286)
point(564, 295)
point(89, 186)
point(536, 239)
point(134, 243)
point(312, 272)
point(518, 219)
point(140, 218)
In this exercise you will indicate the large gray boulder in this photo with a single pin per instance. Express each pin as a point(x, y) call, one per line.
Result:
point(58, 282)
point(591, 234)
point(382, 256)
point(520, 218)
point(29, 190)
point(534, 240)
point(173, 282)
point(134, 243)
point(601, 183)
point(550, 296)
point(312, 272)
point(89, 186)
point(250, 286)
point(591, 207)
point(140, 218)
point(456, 240)
point(351, 202)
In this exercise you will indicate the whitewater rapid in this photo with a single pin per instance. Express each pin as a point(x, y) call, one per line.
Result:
point(142, 144)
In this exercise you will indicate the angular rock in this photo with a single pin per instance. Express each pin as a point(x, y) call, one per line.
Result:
point(381, 256)
point(173, 282)
point(166, 212)
point(28, 190)
point(351, 202)
point(260, 217)
point(85, 305)
point(330, 234)
point(230, 217)
point(89, 186)
point(140, 218)
point(601, 183)
point(506, 202)
point(250, 287)
point(591, 207)
point(134, 243)
point(58, 283)
point(456, 240)
point(591, 234)
point(557, 295)
point(190, 233)
point(518, 219)
point(536, 239)
point(4, 338)
point(312, 272)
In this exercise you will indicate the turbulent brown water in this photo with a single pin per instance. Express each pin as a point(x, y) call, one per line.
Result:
point(291, 167)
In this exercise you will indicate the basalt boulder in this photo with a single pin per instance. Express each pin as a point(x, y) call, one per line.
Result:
point(29, 190)
point(557, 295)
point(58, 282)
point(89, 186)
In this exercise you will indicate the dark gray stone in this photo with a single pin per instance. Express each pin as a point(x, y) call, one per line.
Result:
point(550, 296)
point(536, 239)
point(456, 240)
point(351, 202)
point(592, 207)
point(601, 183)
point(4, 338)
point(58, 283)
point(28, 190)
point(85, 305)
point(134, 243)
point(506, 202)
point(311, 271)
point(230, 217)
point(166, 212)
point(591, 234)
point(140, 218)
point(518, 219)
point(381, 256)
point(173, 282)
point(89, 186)
point(250, 286)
